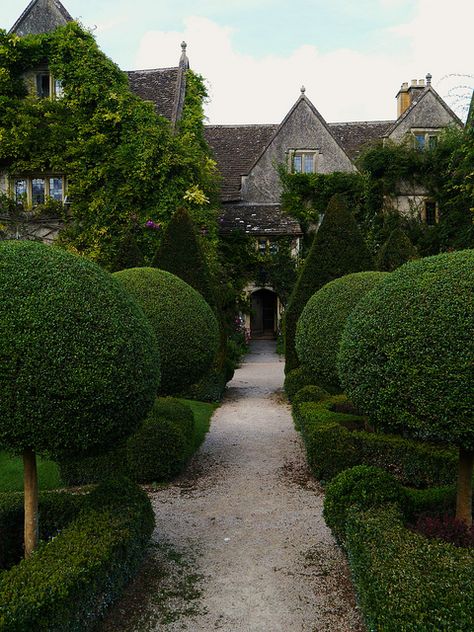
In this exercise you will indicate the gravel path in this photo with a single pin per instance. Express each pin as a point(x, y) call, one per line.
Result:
point(244, 535)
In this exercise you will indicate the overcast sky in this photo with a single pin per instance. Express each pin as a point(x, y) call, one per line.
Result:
point(351, 55)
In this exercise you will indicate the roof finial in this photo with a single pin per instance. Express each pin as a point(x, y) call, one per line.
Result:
point(184, 61)
point(303, 90)
point(429, 77)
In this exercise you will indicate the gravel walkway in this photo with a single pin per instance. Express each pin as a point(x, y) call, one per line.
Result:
point(243, 531)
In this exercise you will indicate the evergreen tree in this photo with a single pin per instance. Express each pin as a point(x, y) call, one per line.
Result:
point(181, 254)
point(337, 249)
point(129, 254)
point(396, 251)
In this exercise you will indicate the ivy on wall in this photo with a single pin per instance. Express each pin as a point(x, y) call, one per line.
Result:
point(127, 171)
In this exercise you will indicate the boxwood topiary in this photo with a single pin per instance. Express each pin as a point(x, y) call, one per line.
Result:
point(79, 363)
point(338, 249)
point(295, 380)
point(185, 325)
point(320, 326)
point(363, 486)
point(407, 354)
point(396, 251)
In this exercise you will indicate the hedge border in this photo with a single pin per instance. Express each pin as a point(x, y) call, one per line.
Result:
point(331, 447)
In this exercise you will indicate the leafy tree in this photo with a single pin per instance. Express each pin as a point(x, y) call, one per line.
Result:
point(79, 364)
point(396, 251)
point(406, 357)
point(338, 249)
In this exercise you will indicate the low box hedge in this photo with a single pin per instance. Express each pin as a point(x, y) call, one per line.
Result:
point(335, 441)
point(67, 583)
point(404, 581)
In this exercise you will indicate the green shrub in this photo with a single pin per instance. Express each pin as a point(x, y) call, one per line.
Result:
point(91, 351)
point(310, 393)
point(186, 328)
point(210, 387)
point(335, 441)
point(405, 581)
point(95, 468)
point(406, 354)
point(433, 501)
point(295, 380)
point(338, 249)
point(362, 486)
point(176, 411)
point(69, 582)
point(396, 251)
point(320, 326)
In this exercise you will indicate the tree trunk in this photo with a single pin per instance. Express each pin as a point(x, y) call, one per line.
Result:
point(464, 498)
point(31, 501)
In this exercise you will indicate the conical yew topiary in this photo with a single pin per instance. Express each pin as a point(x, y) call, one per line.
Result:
point(181, 254)
point(338, 249)
point(396, 251)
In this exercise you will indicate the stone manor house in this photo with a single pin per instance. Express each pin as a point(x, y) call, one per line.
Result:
point(247, 155)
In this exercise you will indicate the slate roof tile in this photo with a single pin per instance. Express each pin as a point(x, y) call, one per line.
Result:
point(357, 135)
point(258, 220)
point(159, 85)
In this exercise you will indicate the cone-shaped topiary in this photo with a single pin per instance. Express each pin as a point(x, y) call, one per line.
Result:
point(185, 325)
point(407, 353)
point(181, 254)
point(320, 326)
point(128, 255)
point(79, 365)
point(338, 249)
point(396, 251)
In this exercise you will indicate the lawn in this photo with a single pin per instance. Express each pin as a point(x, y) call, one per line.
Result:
point(11, 467)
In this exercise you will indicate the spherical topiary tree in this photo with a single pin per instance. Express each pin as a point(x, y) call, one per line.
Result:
point(79, 364)
point(396, 251)
point(320, 326)
point(338, 248)
point(185, 325)
point(407, 356)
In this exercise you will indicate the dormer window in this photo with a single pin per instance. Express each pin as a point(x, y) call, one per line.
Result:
point(303, 160)
point(47, 86)
point(425, 139)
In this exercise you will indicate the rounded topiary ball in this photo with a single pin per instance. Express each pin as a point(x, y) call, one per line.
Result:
point(322, 322)
point(407, 352)
point(362, 486)
point(185, 325)
point(79, 364)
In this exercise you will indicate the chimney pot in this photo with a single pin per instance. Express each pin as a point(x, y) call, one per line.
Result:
point(428, 79)
point(421, 83)
point(414, 82)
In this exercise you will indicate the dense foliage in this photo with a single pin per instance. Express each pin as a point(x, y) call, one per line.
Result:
point(126, 168)
point(335, 440)
point(396, 251)
point(70, 581)
point(406, 353)
point(320, 326)
point(79, 362)
point(184, 324)
point(338, 249)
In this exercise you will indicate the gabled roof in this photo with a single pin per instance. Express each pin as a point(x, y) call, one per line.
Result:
point(41, 16)
point(236, 148)
point(164, 87)
point(356, 136)
point(428, 90)
point(302, 98)
point(258, 220)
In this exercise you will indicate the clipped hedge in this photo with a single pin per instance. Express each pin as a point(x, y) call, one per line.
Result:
point(335, 441)
point(310, 393)
point(405, 581)
point(295, 380)
point(185, 325)
point(322, 321)
point(158, 450)
point(68, 583)
point(396, 251)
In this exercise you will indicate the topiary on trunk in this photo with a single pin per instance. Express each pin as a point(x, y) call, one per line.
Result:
point(79, 365)
point(407, 355)
point(338, 249)
point(396, 251)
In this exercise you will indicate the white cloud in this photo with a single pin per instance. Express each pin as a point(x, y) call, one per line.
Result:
point(343, 84)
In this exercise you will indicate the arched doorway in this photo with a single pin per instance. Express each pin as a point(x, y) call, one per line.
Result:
point(263, 317)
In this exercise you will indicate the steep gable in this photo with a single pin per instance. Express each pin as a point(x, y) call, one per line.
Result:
point(429, 111)
point(302, 129)
point(41, 16)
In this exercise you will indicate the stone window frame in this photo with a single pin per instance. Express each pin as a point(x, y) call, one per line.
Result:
point(427, 215)
point(47, 177)
point(429, 135)
point(54, 90)
point(312, 154)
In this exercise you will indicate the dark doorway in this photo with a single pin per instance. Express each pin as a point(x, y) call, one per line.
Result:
point(263, 318)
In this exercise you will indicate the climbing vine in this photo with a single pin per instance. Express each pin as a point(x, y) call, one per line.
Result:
point(127, 171)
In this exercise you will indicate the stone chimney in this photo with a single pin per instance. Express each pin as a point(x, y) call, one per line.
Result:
point(410, 94)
